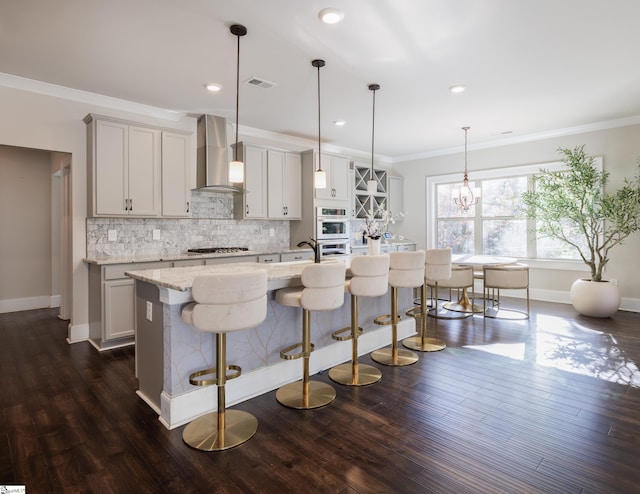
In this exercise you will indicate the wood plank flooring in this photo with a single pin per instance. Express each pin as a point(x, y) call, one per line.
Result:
point(549, 405)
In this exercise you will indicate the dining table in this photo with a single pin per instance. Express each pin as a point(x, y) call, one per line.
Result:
point(463, 304)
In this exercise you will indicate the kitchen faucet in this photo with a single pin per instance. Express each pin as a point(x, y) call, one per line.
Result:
point(313, 243)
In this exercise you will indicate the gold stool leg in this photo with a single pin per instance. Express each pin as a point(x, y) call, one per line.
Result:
point(421, 343)
point(352, 373)
point(394, 356)
point(220, 430)
point(306, 394)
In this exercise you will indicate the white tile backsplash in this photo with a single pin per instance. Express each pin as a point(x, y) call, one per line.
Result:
point(211, 225)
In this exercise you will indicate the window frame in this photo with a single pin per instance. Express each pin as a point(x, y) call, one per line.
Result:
point(433, 181)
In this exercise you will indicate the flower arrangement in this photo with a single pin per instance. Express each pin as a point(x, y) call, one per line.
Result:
point(377, 224)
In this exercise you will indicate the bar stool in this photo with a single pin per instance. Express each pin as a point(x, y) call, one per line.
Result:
point(370, 278)
point(461, 279)
point(323, 290)
point(437, 268)
point(406, 270)
point(224, 303)
point(510, 276)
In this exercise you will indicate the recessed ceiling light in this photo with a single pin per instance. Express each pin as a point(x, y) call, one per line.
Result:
point(214, 87)
point(339, 123)
point(457, 88)
point(331, 15)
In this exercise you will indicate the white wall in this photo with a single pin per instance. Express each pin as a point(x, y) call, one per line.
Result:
point(25, 229)
point(35, 120)
point(619, 148)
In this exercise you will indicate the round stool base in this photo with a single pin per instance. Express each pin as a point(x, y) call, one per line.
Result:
point(203, 434)
point(343, 374)
point(429, 344)
point(384, 356)
point(320, 394)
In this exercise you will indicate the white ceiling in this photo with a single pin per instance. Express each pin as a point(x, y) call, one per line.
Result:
point(530, 66)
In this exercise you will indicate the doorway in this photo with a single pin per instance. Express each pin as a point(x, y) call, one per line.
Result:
point(35, 220)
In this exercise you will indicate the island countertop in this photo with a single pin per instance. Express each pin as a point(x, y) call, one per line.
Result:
point(181, 278)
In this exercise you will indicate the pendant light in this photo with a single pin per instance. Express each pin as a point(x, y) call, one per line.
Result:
point(372, 184)
point(465, 196)
point(236, 167)
point(319, 177)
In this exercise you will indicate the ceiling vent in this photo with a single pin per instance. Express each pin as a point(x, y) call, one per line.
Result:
point(254, 81)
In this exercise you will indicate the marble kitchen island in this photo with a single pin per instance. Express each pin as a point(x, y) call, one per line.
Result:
point(168, 350)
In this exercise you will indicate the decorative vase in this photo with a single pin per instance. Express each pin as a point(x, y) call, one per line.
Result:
point(374, 246)
point(595, 298)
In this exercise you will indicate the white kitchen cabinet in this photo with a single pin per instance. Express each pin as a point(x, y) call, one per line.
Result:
point(396, 197)
point(252, 204)
point(303, 255)
point(337, 170)
point(365, 203)
point(176, 176)
point(112, 303)
point(124, 168)
point(284, 178)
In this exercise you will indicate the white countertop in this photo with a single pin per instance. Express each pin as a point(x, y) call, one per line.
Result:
point(181, 278)
point(130, 259)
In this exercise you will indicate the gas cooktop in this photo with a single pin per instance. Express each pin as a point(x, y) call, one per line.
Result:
point(217, 250)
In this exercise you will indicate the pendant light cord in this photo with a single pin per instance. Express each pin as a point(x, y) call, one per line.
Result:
point(373, 130)
point(319, 163)
point(235, 149)
point(318, 63)
point(237, 30)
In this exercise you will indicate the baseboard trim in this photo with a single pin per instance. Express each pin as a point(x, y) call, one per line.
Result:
point(27, 303)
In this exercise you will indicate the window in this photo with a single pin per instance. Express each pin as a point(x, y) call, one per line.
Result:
point(495, 226)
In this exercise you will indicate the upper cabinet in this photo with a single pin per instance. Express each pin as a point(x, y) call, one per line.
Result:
point(176, 179)
point(284, 185)
point(253, 203)
point(396, 197)
point(125, 167)
point(272, 180)
point(338, 189)
point(363, 201)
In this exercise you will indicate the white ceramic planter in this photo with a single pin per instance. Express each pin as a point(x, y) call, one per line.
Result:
point(595, 298)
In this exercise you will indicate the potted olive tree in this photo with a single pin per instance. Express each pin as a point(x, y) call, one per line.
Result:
point(573, 206)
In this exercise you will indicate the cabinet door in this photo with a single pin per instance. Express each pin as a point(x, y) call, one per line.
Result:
point(396, 198)
point(340, 178)
point(276, 202)
point(119, 317)
point(144, 171)
point(325, 160)
point(255, 178)
point(176, 185)
point(293, 186)
point(111, 168)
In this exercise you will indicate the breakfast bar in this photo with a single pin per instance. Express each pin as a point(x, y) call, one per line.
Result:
point(169, 350)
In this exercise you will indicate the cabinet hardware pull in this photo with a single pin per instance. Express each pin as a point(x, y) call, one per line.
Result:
point(247, 209)
point(188, 206)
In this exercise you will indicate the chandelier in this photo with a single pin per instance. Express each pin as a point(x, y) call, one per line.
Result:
point(465, 196)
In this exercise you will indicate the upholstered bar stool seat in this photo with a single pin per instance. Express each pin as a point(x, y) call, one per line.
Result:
point(323, 289)
point(507, 277)
point(224, 303)
point(437, 269)
point(369, 278)
point(461, 280)
point(406, 270)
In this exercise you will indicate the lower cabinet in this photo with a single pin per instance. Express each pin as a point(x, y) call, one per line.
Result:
point(111, 303)
point(306, 255)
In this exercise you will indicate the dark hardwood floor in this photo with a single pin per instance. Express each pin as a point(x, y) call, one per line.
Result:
point(549, 405)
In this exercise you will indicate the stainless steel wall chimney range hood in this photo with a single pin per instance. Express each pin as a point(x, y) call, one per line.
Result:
point(212, 160)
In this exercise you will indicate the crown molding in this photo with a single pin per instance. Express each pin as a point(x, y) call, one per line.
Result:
point(507, 141)
point(47, 89)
